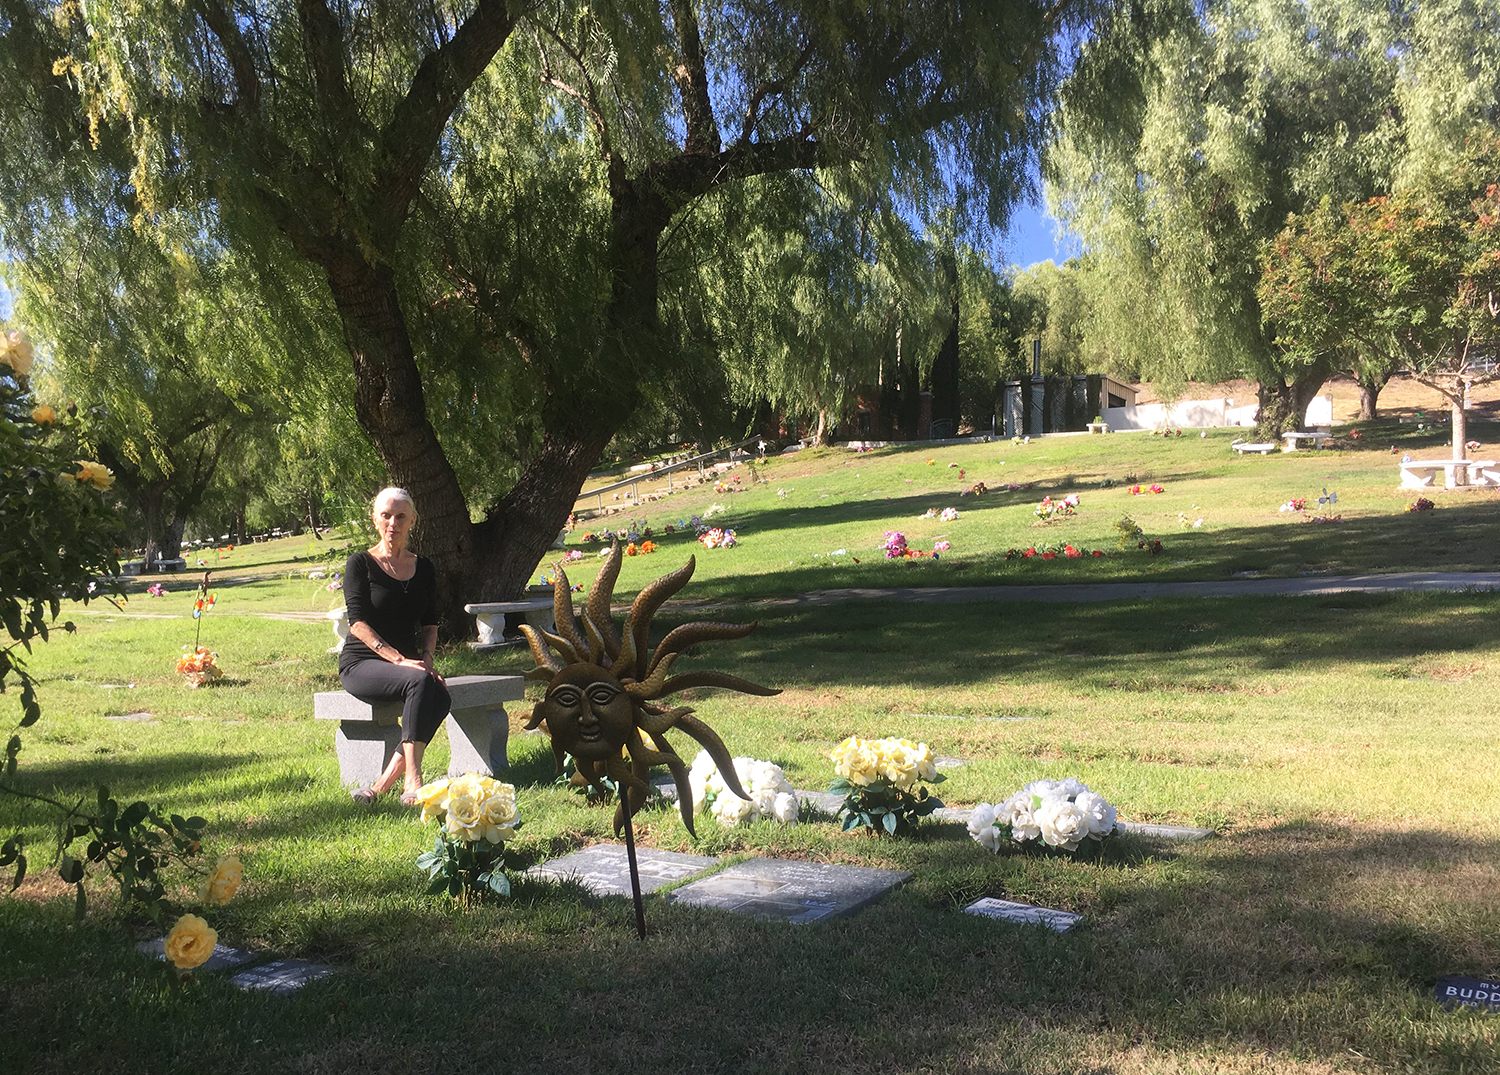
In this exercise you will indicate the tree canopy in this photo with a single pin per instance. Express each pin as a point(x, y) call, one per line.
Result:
point(485, 198)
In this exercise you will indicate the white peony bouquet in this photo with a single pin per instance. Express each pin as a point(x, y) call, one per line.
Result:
point(1051, 814)
point(771, 793)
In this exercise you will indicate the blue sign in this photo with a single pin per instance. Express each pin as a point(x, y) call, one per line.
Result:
point(1456, 991)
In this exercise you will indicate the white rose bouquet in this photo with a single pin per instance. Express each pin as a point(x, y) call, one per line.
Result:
point(1054, 815)
point(882, 781)
point(476, 815)
point(771, 793)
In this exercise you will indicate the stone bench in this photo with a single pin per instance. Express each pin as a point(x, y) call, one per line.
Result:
point(489, 618)
point(1296, 440)
point(478, 728)
point(1420, 473)
point(1244, 447)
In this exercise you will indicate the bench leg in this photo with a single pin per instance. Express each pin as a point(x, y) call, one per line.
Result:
point(1413, 480)
point(477, 740)
point(363, 748)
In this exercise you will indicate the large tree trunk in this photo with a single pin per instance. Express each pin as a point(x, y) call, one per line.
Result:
point(1369, 395)
point(1283, 405)
point(152, 514)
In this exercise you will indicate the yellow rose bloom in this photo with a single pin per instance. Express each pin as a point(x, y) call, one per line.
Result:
point(224, 882)
point(465, 815)
point(15, 352)
point(96, 474)
point(43, 415)
point(191, 942)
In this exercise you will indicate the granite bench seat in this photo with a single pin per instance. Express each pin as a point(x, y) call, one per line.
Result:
point(478, 728)
point(489, 618)
point(1419, 473)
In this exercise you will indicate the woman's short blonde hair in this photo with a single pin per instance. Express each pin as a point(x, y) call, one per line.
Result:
point(396, 494)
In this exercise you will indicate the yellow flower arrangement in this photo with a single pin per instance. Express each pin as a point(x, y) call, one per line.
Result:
point(191, 942)
point(881, 779)
point(43, 415)
point(224, 882)
point(477, 814)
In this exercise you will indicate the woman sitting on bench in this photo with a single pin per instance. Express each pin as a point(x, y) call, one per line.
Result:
point(391, 597)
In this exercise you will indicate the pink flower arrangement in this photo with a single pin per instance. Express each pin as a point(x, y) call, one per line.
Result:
point(941, 546)
point(156, 590)
point(1067, 551)
point(1136, 490)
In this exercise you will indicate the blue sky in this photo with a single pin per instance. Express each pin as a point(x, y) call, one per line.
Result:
point(1032, 237)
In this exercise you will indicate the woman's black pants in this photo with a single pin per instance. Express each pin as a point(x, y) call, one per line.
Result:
point(425, 701)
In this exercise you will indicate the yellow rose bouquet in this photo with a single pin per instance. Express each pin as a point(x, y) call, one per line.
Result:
point(883, 784)
point(476, 815)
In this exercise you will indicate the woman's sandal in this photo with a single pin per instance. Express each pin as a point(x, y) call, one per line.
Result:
point(408, 798)
point(363, 796)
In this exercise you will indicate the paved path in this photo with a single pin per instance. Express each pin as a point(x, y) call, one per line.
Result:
point(1090, 592)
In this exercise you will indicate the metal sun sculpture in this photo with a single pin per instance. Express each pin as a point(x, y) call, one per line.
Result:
point(603, 689)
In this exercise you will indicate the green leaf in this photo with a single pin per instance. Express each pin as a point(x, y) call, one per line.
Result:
point(499, 883)
point(70, 870)
point(438, 885)
point(851, 821)
point(80, 905)
point(20, 872)
point(890, 823)
point(134, 814)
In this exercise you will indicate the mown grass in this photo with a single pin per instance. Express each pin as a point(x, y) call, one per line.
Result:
point(818, 519)
point(1343, 747)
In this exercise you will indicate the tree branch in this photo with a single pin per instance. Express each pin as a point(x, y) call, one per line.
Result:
point(691, 76)
point(765, 89)
point(323, 45)
point(588, 97)
point(408, 139)
point(241, 64)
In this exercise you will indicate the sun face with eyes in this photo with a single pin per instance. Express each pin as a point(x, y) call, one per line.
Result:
point(588, 712)
point(604, 687)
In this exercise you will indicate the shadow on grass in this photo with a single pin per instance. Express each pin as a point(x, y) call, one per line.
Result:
point(1301, 941)
point(922, 645)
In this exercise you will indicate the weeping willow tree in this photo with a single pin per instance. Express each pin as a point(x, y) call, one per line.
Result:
point(1190, 132)
point(1231, 116)
point(482, 191)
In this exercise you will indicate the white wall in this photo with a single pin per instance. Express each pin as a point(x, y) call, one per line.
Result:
point(1203, 414)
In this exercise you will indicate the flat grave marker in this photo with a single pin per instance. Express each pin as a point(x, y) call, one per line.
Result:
point(1165, 832)
point(604, 870)
point(281, 976)
point(224, 957)
point(824, 802)
point(1024, 913)
point(142, 717)
point(968, 716)
point(1459, 991)
point(786, 890)
point(945, 762)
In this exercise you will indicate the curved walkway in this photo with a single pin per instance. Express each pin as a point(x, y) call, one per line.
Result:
point(1089, 592)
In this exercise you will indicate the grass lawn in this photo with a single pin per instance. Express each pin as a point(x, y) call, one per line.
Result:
point(1344, 747)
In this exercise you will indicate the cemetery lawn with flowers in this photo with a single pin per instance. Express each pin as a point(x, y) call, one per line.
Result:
point(820, 519)
point(1343, 749)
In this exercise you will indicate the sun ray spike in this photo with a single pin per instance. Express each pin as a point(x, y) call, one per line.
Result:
point(562, 613)
point(715, 679)
point(597, 611)
point(539, 651)
point(638, 624)
point(690, 634)
point(711, 742)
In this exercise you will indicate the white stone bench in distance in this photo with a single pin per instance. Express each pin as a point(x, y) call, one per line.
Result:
point(1247, 448)
point(1295, 440)
point(489, 618)
point(1419, 473)
point(478, 728)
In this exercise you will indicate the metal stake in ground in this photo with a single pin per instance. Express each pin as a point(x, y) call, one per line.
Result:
point(635, 873)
